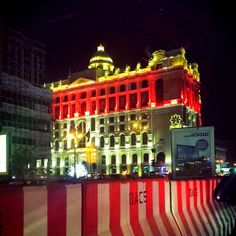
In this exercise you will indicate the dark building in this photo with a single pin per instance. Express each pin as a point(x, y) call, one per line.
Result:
point(23, 57)
point(25, 105)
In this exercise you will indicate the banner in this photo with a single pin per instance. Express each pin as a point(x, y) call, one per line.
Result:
point(193, 152)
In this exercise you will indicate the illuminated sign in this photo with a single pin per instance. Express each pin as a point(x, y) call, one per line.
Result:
point(193, 152)
point(3, 154)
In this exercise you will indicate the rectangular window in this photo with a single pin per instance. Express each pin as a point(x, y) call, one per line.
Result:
point(83, 95)
point(122, 88)
point(112, 103)
point(111, 119)
point(133, 86)
point(57, 112)
point(101, 121)
point(122, 127)
point(102, 105)
point(144, 84)
point(122, 118)
point(93, 94)
point(122, 102)
point(133, 100)
point(102, 130)
point(92, 124)
point(144, 98)
point(102, 92)
point(111, 128)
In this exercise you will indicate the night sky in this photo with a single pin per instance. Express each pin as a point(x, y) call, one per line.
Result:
point(131, 31)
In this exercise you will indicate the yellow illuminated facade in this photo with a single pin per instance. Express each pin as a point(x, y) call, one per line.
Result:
point(124, 116)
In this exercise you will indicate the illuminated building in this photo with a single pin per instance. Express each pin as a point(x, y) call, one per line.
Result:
point(124, 117)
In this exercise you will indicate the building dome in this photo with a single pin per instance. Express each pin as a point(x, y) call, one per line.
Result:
point(101, 60)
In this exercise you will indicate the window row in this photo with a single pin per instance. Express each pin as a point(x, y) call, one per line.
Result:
point(103, 91)
point(103, 105)
point(123, 161)
point(122, 141)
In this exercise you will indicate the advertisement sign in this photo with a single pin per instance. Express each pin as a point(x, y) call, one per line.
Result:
point(193, 152)
point(3, 154)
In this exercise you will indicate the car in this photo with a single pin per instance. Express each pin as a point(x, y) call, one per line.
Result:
point(225, 191)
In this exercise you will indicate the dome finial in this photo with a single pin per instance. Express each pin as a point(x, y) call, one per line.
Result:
point(101, 48)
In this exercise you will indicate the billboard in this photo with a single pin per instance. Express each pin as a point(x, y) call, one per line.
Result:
point(193, 152)
point(3, 155)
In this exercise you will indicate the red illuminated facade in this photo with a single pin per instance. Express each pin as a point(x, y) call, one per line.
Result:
point(123, 104)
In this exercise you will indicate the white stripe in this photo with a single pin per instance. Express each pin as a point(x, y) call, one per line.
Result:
point(200, 209)
point(124, 210)
point(156, 209)
point(73, 209)
point(192, 207)
point(221, 208)
point(142, 216)
point(168, 209)
point(35, 211)
point(104, 209)
point(214, 206)
point(185, 211)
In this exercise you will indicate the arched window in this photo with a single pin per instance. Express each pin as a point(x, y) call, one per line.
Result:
point(145, 138)
point(134, 159)
point(103, 160)
point(133, 139)
point(102, 142)
point(122, 140)
point(123, 159)
point(159, 90)
point(145, 158)
point(113, 159)
point(112, 141)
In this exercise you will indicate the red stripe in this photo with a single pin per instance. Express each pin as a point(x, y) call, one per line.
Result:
point(162, 206)
point(115, 208)
point(90, 208)
point(149, 208)
point(190, 193)
point(56, 210)
point(134, 201)
point(11, 211)
point(180, 206)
